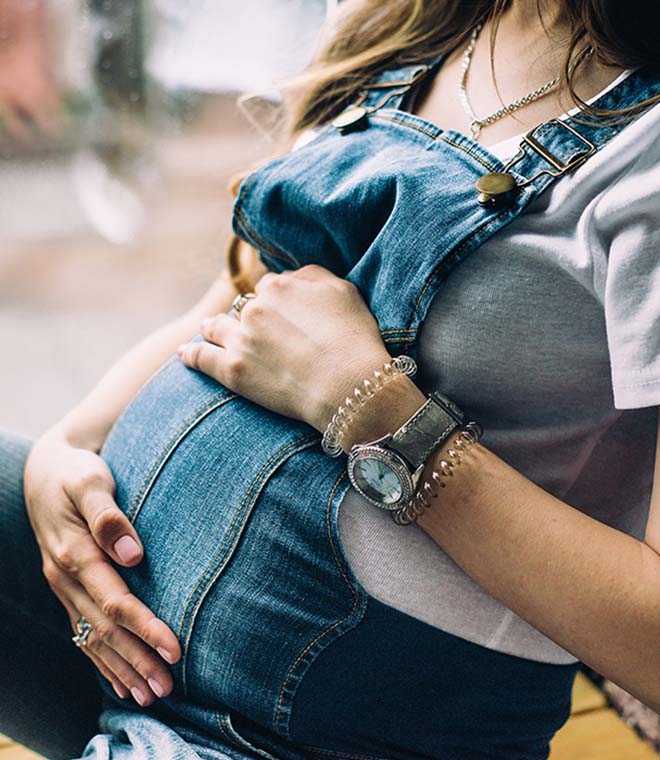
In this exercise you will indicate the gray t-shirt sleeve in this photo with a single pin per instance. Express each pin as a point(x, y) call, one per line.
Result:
point(627, 226)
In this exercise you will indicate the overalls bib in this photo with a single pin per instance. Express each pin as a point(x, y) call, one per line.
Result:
point(285, 655)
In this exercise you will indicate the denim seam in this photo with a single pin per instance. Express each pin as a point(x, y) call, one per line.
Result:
point(284, 729)
point(465, 149)
point(245, 225)
point(161, 369)
point(247, 182)
point(230, 733)
point(213, 570)
point(218, 722)
point(167, 450)
point(416, 127)
point(448, 259)
point(256, 240)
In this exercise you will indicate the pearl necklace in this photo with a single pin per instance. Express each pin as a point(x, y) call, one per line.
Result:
point(476, 124)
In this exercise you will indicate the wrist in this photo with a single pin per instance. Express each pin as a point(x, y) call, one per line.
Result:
point(323, 401)
point(384, 412)
point(80, 431)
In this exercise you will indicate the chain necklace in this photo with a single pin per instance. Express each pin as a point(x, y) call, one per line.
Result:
point(476, 124)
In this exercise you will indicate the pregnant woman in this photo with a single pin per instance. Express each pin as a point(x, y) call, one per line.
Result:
point(246, 590)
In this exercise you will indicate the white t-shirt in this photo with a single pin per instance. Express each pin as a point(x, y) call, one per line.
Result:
point(549, 335)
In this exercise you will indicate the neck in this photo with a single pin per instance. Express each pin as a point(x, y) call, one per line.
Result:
point(523, 15)
point(533, 38)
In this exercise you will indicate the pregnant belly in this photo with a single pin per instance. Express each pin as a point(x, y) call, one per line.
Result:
point(237, 508)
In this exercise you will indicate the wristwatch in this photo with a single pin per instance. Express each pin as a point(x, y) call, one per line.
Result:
point(386, 471)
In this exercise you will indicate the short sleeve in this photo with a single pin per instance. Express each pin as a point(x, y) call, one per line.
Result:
point(631, 236)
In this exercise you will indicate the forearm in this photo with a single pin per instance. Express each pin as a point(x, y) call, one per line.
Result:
point(88, 423)
point(592, 589)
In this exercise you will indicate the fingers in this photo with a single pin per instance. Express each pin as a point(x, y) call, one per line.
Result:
point(111, 529)
point(267, 278)
point(216, 362)
point(112, 596)
point(221, 329)
point(310, 272)
point(120, 690)
point(120, 656)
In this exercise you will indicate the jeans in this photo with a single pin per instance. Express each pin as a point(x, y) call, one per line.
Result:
point(44, 679)
point(53, 701)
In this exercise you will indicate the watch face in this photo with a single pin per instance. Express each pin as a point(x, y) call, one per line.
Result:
point(377, 480)
point(380, 475)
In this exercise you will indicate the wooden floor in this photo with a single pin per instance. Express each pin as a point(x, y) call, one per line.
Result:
point(594, 732)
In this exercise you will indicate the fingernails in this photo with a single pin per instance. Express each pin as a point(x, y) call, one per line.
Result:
point(157, 689)
point(166, 655)
point(138, 696)
point(181, 349)
point(126, 549)
point(120, 691)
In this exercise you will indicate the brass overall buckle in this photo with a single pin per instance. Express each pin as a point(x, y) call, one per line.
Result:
point(497, 190)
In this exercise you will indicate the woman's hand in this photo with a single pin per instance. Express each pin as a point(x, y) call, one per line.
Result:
point(79, 527)
point(298, 348)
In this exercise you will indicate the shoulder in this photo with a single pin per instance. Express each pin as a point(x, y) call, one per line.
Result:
point(622, 182)
point(636, 150)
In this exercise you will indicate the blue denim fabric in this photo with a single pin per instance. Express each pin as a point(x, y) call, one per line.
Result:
point(285, 653)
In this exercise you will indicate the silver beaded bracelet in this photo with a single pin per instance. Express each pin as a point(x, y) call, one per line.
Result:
point(338, 425)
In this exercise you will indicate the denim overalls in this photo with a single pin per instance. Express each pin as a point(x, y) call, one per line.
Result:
point(285, 653)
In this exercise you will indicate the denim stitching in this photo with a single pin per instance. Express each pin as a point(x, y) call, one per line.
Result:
point(247, 182)
point(417, 127)
point(467, 150)
point(218, 722)
point(240, 217)
point(243, 501)
point(209, 581)
point(230, 732)
point(337, 623)
point(166, 451)
point(452, 255)
point(249, 232)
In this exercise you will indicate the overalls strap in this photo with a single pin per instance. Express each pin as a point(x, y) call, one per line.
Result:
point(389, 89)
point(551, 149)
point(559, 146)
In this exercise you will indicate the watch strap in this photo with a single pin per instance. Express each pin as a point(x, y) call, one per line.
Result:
point(431, 424)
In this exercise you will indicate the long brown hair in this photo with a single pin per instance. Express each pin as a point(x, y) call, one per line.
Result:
point(369, 36)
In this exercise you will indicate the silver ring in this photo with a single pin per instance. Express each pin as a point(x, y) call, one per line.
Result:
point(83, 629)
point(241, 299)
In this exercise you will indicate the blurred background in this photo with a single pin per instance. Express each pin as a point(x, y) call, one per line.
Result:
point(119, 131)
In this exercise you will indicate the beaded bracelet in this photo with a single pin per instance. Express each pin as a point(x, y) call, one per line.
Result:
point(338, 425)
point(466, 439)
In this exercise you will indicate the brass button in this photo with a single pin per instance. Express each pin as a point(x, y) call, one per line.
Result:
point(353, 118)
point(496, 190)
